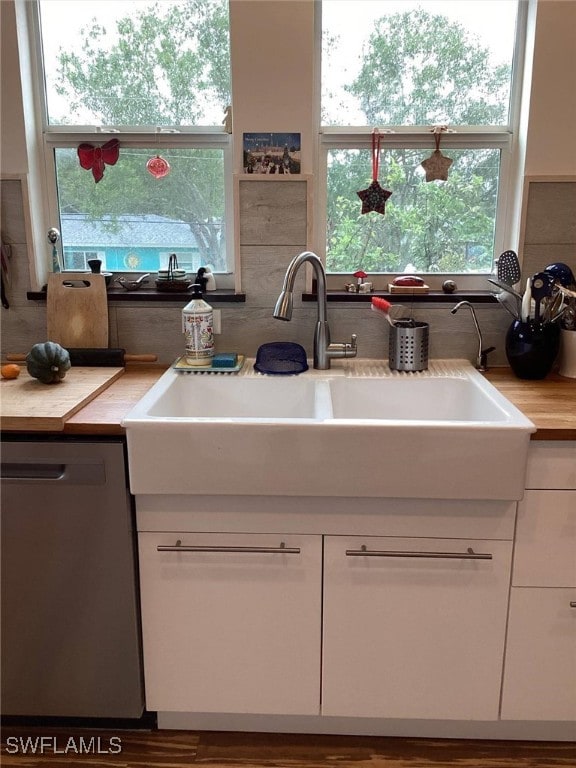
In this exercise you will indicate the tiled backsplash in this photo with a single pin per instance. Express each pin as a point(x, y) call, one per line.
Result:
point(273, 227)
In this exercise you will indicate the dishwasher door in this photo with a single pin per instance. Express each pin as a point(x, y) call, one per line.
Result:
point(70, 620)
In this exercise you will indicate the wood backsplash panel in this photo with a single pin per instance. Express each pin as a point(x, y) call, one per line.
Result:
point(550, 228)
point(551, 213)
point(263, 270)
point(273, 212)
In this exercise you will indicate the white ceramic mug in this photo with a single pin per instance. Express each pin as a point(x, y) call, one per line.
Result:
point(567, 357)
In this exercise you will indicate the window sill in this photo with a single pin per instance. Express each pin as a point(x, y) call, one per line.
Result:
point(433, 297)
point(221, 296)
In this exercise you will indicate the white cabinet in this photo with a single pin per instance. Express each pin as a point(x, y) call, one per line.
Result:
point(545, 553)
point(414, 628)
point(540, 670)
point(231, 623)
point(540, 673)
point(318, 632)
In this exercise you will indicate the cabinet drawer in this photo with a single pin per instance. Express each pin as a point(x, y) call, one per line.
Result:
point(551, 464)
point(540, 670)
point(545, 552)
point(411, 630)
point(230, 623)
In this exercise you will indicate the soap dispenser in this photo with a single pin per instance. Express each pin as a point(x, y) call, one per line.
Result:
point(198, 330)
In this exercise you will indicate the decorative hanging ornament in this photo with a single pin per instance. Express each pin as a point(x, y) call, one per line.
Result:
point(436, 166)
point(95, 158)
point(374, 197)
point(158, 167)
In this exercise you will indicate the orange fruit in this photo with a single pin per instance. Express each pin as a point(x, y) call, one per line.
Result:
point(10, 371)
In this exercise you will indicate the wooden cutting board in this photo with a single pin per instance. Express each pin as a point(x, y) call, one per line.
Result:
point(27, 404)
point(77, 309)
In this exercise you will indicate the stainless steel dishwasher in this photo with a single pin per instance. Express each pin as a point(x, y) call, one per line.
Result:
point(70, 620)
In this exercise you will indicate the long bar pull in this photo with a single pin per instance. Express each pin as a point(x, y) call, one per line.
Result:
point(281, 550)
point(468, 555)
point(572, 603)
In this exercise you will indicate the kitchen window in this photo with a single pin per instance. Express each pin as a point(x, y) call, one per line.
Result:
point(74, 259)
point(154, 77)
point(418, 73)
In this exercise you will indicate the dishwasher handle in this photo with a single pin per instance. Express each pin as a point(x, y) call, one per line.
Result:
point(69, 473)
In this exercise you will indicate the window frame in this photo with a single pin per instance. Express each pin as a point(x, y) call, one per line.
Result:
point(151, 137)
point(505, 138)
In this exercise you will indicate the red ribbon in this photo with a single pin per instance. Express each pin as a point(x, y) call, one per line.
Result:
point(95, 158)
point(376, 138)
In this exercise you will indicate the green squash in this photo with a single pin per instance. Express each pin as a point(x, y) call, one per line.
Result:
point(48, 362)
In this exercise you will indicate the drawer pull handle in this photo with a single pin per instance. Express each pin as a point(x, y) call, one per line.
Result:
point(281, 550)
point(468, 555)
point(30, 471)
point(572, 603)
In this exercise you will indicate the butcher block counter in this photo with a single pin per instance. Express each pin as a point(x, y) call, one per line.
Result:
point(550, 403)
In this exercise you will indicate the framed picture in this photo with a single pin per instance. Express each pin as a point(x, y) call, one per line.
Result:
point(271, 153)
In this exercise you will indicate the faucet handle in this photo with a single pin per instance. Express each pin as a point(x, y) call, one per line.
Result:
point(343, 349)
point(483, 362)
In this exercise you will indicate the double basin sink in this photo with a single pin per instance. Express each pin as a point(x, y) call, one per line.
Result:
point(357, 430)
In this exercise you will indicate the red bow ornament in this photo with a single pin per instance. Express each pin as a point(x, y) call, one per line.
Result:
point(95, 158)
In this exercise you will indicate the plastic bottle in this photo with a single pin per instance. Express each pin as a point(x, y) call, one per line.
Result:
point(198, 330)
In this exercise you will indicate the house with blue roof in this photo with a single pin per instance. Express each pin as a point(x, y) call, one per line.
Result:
point(127, 243)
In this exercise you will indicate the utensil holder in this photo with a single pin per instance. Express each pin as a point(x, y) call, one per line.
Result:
point(531, 348)
point(408, 346)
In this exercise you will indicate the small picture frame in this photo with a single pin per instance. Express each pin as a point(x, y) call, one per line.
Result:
point(272, 154)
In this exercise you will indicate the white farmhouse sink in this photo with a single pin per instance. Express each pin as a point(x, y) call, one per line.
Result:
point(356, 430)
point(234, 398)
point(415, 399)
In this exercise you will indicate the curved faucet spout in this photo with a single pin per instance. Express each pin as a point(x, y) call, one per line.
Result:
point(482, 356)
point(324, 351)
point(283, 308)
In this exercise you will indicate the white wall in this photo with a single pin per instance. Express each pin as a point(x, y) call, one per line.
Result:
point(552, 122)
point(12, 138)
point(273, 88)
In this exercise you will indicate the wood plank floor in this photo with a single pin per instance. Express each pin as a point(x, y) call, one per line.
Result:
point(63, 748)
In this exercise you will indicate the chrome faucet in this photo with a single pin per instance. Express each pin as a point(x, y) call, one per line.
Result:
point(482, 356)
point(324, 351)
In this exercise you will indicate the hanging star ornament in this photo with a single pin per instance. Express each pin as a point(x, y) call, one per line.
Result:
point(374, 197)
point(436, 166)
point(95, 158)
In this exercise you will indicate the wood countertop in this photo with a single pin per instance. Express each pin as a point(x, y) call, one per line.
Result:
point(550, 403)
point(103, 415)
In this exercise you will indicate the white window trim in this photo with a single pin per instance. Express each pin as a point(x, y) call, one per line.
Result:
point(42, 139)
point(160, 139)
point(506, 138)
